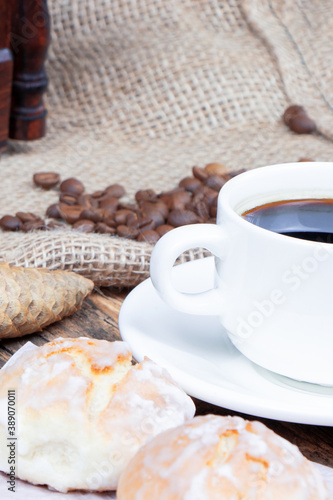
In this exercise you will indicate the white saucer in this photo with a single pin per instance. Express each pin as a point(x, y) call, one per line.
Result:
point(199, 356)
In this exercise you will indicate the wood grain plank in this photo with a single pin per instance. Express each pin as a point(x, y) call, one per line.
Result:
point(98, 318)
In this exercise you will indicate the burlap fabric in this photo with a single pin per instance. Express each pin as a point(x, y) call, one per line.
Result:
point(140, 91)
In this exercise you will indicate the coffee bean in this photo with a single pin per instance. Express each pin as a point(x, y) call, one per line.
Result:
point(10, 223)
point(190, 183)
point(177, 201)
point(132, 220)
point(149, 236)
point(302, 124)
point(215, 169)
point(84, 225)
point(197, 198)
point(88, 201)
point(144, 224)
point(202, 211)
point(145, 195)
point(204, 190)
point(91, 214)
point(171, 192)
point(291, 112)
point(72, 186)
point(128, 206)
point(162, 208)
point(154, 212)
point(178, 218)
point(53, 225)
point(211, 197)
point(70, 213)
point(205, 193)
point(215, 182)
point(199, 173)
point(182, 196)
point(297, 119)
point(46, 180)
point(103, 228)
point(98, 194)
point(121, 215)
point(162, 230)
point(127, 232)
point(69, 199)
point(115, 191)
point(177, 204)
point(109, 219)
point(110, 203)
point(158, 206)
point(53, 211)
point(27, 216)
point(33, 225)
point(213, 211)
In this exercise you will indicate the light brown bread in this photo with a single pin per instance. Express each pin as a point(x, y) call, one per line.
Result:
point(83, 410)
point(218, 458)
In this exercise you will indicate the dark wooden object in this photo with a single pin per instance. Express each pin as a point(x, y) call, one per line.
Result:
point(6, 69)
point(24, 38)
point(98, 318)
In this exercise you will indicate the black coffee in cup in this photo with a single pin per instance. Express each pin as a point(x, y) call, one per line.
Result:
point(308, 219)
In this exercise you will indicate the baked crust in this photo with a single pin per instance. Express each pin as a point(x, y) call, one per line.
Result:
point(216, 458)
point(83, 410)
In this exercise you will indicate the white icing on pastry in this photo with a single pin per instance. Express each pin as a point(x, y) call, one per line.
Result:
point(83, 410)
point(218, 458)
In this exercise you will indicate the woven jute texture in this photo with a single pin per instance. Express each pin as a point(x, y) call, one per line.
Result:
point(140, 91)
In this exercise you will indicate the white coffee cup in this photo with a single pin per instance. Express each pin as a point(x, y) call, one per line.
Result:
point(273, 293)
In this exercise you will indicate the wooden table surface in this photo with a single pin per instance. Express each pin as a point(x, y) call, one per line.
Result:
point(98, 318)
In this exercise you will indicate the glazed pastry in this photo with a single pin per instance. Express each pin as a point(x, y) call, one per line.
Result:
point(83, 410)
point(217, 458)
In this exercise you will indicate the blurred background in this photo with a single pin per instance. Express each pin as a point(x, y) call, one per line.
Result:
point(140, 91)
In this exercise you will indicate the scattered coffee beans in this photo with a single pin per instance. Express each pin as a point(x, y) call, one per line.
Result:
point(193, 200)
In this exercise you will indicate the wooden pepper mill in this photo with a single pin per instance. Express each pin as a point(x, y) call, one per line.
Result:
point(24, 40)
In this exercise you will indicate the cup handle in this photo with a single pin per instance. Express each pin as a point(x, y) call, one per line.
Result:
point(168, 248)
